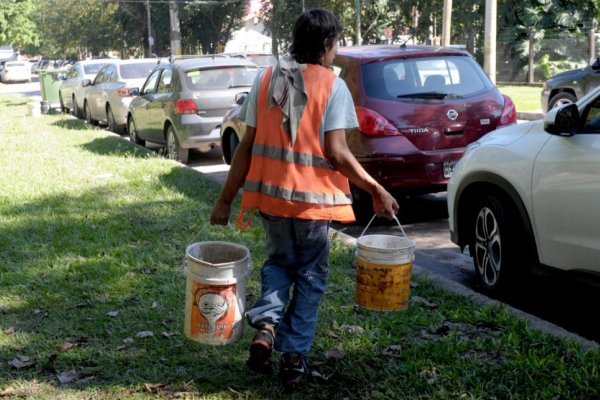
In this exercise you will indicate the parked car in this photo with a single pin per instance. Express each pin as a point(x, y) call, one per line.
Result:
point(15, 71)
point(40, 65)
point(569, 86)
point(233, 127)
point(418, 107)
point(107, 98)
point(71, 92)
point(182, 103)
point(526, 196)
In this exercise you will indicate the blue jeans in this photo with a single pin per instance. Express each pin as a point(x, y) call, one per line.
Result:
point(297, 255)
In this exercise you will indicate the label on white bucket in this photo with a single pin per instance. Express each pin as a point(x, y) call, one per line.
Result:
point(213, 310)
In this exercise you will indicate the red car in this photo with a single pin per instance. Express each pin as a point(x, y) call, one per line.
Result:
point(418, 108)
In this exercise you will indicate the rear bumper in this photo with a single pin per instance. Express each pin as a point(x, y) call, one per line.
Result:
point(194, 131)
point(421, 172)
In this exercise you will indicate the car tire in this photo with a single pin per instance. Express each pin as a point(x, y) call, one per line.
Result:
point(133, 135)
point(63, 109)
point(110, 119)
point(75, 109)
point(173, 150)
point(88, 114)
point(561, 99)
point(233, 143)
point(499, 244)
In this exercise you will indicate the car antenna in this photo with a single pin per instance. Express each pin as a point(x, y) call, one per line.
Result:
point(412, 35)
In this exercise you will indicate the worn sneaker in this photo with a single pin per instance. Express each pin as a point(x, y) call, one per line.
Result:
point(293, 368)
point(260, 352)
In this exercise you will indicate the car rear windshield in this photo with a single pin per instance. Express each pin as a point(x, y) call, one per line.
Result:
point(262, 60)
point(450, 76)
point(220, 78)
point(137, 70)
point(90, 69)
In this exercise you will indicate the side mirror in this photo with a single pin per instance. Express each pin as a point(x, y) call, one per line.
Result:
point(563, 121)
point(86, 83)
point(240, 98)
point(134, 91)
point(596, 63)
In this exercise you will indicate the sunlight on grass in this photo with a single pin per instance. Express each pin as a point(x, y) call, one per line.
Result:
point(93, 232)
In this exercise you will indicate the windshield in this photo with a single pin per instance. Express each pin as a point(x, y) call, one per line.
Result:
point(220, 78)
point(137, 70)
point(425, 78)
point(92, 69)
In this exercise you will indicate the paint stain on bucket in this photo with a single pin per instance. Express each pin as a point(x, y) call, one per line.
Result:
point(383, 271)
point(216, 275)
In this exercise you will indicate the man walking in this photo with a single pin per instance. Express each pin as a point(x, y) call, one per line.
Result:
point(295, 164)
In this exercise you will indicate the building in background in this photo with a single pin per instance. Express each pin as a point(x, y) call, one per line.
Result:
point(251, 38)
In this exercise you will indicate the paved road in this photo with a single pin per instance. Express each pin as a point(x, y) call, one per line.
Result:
point(424, 219)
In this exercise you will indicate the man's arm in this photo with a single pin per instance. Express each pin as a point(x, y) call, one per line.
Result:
point(344, 161)
point(240, 164)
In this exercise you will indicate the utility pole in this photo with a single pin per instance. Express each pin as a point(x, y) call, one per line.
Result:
point(489, 42)
point(150, 38)
point(175, 30)
point(446, 22)
point(358, 38)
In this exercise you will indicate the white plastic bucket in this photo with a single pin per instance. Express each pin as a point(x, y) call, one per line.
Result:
point(215, 299)
point(383, 271)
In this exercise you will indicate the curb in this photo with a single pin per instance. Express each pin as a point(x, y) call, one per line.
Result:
point(456, 288)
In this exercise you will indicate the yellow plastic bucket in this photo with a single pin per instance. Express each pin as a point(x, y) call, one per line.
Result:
point(383, 271)
point(215, 298)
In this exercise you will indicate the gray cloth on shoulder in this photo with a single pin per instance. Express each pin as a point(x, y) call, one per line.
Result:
point(287, 91)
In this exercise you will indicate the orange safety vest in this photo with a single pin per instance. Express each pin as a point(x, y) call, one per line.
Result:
point(295, 181)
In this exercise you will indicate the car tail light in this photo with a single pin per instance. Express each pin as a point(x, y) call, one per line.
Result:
point(374, 124)
point(123, 92)
point(509, 112)
point(186, 106)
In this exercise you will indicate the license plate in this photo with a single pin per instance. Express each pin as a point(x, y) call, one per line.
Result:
point(449, 168)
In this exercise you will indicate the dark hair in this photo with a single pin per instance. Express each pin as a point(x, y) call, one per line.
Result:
point(315, 30)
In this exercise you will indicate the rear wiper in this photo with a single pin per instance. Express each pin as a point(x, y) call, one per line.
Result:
point(429, 95)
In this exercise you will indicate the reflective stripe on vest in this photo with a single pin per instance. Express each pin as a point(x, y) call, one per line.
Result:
point(277, 153)
point(294, 195)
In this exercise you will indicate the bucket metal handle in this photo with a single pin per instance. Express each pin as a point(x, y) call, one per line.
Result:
point(374, 215)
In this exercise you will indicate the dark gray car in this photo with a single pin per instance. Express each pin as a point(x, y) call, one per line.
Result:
point(569, 86)
point(182, 104)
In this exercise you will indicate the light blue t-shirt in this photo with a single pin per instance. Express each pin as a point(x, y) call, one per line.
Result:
point(339, 111)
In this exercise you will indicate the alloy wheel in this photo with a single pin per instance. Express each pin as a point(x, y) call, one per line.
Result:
point(488, 247)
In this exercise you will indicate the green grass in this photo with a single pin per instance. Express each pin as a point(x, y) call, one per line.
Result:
point(91, 224)
point(525, 97)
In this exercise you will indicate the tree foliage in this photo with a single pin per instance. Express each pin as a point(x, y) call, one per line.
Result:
point(16, 24)
point(207, 27)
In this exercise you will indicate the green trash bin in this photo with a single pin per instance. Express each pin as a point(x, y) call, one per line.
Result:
point(50, 81)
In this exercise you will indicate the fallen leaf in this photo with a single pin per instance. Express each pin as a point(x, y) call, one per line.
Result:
point(21, 362)
point(414, 285)
point(155, 387)
point(168, 335)
point(417, 300)
point(352, 329)
point(112, 313)
point(391, 350)
point(65, 346)
point(41, 313)
point(9, 331)
point(333, 334)
point(154, 304)
point(130, 273)
point(193, 226)
point(335, 354)
point(68, 377)
point(83, 305)
point(144, 334)
point(430, 375)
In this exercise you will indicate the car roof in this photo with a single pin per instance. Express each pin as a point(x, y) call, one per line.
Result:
point(370, 53)
point(213, 62)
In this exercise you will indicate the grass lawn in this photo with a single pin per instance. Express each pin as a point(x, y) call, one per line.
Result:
point(93, 232)
point(526, 98)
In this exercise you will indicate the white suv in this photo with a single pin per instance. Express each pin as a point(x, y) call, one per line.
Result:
point(529, 195)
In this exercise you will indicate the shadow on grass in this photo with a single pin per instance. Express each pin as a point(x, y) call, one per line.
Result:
point(116, 146)
point(74, 124)
point(65, 274)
